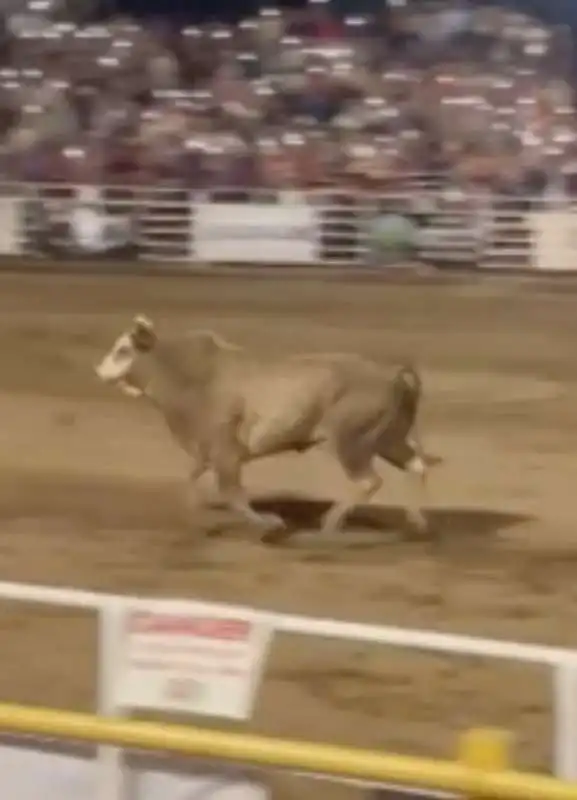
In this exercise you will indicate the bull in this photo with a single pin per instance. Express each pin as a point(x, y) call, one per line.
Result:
point(224, 406)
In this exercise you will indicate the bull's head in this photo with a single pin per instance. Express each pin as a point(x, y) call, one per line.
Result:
point(118, 365)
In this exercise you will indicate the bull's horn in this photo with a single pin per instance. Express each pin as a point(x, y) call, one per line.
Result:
point(142, 321)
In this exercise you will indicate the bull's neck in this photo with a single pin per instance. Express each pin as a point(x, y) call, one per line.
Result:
point(167, 390)
point(180, 406)
point(161, 393)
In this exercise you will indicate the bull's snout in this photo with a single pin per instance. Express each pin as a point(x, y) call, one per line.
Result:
point(102, 373)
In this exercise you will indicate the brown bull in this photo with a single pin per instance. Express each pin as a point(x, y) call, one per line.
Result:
point(225, 407)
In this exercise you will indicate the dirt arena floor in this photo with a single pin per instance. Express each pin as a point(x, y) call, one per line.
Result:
point(92, 495)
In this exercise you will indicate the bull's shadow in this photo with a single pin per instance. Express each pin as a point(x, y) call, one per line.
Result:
point(386, 523)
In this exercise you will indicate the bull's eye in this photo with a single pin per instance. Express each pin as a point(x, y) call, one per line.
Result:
point(123, 351)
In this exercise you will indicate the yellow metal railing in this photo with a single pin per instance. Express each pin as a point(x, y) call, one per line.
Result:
point(481, 769)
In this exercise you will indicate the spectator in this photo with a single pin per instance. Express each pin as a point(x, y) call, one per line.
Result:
point(291, 99)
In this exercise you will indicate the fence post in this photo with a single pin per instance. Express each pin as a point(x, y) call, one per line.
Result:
point(565, 719)
point(112, 778)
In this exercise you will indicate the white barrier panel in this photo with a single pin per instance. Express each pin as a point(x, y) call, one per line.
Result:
point(255, 233)
point(9, 222)
point(320, 227)
point(554, 244)
point(112, 612)
point(199, 662)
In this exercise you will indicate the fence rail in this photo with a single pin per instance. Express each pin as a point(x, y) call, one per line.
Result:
point(112, 611)
point(481, 771)
point(332, 227)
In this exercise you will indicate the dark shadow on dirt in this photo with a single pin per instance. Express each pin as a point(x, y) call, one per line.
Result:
point(447, 524)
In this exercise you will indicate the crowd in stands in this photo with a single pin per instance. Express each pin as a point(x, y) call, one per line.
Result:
point(291, 99)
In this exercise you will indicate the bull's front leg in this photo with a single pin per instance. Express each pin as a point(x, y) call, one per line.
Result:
point(199, 467)
point(226, 461)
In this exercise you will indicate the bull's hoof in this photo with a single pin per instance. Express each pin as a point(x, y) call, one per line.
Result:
point(432, 461)
point(418, 527)
point(278, 536)
point(271, 523)
point(275, 530)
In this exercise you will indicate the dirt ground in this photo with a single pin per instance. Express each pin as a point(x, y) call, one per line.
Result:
point(92, 495)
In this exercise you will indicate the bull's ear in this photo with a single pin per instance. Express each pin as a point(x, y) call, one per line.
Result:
point(143, 334)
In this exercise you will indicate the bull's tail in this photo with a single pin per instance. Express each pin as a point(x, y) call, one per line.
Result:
point(398, 441)
point(407, 388)
point(405, 391)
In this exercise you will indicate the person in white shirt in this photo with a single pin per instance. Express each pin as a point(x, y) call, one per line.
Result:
point(88, 228)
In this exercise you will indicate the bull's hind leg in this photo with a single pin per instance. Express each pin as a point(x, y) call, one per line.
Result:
point(409, 457)
point(365, 483)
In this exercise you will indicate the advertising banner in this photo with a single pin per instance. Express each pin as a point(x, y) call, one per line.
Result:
point(554, 236)
point(9, 226)
point(255, 233)
point(198, 662)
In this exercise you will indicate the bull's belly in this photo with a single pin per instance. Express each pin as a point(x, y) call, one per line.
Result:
point(283, 414)
point(270, 441)
point(279, 434)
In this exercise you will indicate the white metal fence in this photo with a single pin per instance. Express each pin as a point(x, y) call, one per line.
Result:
point(322, 227)
point(112, 611)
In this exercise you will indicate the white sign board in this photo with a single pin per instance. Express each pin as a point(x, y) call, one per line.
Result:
point(554, 240)
point(10, 211)
point(207, 662)
point(248, 233)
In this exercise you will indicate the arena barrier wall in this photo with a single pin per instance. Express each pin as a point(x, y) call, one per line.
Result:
point(113, 701)
point(177, 229)
point(481, 770)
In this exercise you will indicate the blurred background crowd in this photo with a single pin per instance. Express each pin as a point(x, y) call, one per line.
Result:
point(291, 98)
